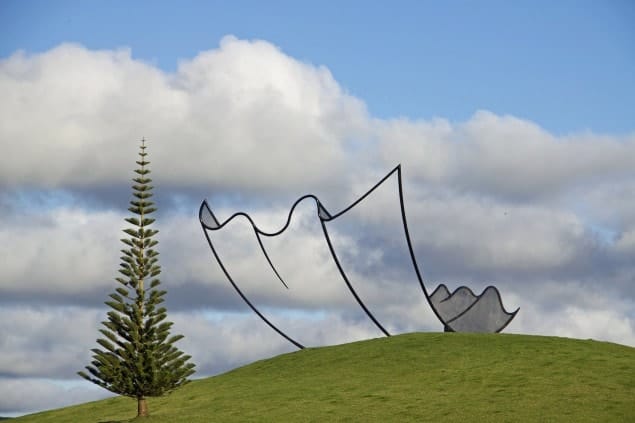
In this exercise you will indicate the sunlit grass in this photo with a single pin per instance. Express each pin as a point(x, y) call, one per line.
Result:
point(413, 377)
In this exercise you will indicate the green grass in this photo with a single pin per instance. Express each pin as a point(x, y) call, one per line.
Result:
point(413, 377)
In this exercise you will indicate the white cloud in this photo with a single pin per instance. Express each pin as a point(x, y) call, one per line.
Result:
point(518, 158)
point(69, 113)
point(605, 323)
point(65, 252)
point(504, 156)
point(244, 115)
point(490, 235)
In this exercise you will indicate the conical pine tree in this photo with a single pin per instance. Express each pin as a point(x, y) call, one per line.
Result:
point(139, 358)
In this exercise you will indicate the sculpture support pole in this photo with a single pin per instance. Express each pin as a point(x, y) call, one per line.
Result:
point(452, 320)
point(348, 284)
point(411, 250)
point(255, 310)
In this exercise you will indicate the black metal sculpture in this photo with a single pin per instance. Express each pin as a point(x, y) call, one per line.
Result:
point(459, 311)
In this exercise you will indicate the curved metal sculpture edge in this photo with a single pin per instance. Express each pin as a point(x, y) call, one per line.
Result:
point(410, 249)
point(447, 322)
point(324, 216)
point(231, 280)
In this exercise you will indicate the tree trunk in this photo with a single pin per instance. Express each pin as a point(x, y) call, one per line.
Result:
point(142, 407)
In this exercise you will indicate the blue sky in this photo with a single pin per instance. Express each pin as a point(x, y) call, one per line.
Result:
point(566, 65)
point(514, 123)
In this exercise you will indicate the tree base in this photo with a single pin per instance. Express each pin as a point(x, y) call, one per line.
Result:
point(142, 407)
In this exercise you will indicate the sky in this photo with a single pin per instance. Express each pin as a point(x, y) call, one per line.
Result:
point(514, 123)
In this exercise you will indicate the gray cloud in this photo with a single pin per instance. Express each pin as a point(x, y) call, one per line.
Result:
point(63, 252)
point(504, 156)
point(45, 341)
point(19, 396)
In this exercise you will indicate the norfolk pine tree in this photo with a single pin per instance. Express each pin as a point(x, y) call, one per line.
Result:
point(138, 358)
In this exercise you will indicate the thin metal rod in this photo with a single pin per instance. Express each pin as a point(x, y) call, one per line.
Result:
point(324, 216)
point(411, 250)
point(348, 284)
point(262, 247)
point(253, 307)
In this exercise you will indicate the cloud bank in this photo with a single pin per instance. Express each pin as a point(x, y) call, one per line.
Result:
point(495, 199)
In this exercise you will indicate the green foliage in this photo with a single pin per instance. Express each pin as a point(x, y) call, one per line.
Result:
point(137, 357)
point(448, 377)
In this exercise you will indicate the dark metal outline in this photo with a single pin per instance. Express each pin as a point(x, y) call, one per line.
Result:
point(324, 216)
point(446, 324)
point(231, 280)
point(510, 315)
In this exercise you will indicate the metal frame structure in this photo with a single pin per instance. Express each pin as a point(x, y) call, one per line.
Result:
point(452, 309)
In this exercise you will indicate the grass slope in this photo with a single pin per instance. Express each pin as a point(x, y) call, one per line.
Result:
point(412, 377)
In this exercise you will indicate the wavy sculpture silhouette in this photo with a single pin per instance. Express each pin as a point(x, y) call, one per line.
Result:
point(459, 311)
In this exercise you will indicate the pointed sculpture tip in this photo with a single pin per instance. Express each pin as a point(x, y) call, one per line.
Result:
point(214, 224)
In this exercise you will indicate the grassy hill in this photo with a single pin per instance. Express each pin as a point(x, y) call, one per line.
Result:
point(413, 377)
